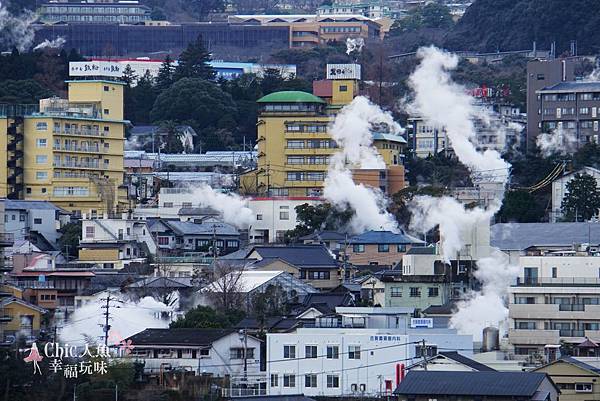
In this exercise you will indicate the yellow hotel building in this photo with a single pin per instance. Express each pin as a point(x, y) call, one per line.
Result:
point(67, 151)
point(294, 144)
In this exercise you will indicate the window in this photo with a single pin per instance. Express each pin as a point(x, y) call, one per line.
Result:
point(284, 215)
point(343, 88)
point(354, 352)
point(295, 144)
point(540, 77)
point(41, 159)
point(37, 220)
point(383, 248)
point(238, 353)
point(41, 126)
point(401, 248)
point(295, 160)
point(106, 111)
point(289, 351)
point(554, 272)
point(310, 351)
point(525, 325)
point(163, 240)
point(333, 352)
point(584, 110)
point(232, 244)
point(433, 292)
point(259, 217)
point(396, 292)
point(106, 88)
point(289, 380)
point(583, 387)
point(274, 380)
point(525, 300)
point(89, 232)
point(415, 292)
point(358, 248)
point(41, 142)
point(333, 381)
point(310, 380)
point(41, 175)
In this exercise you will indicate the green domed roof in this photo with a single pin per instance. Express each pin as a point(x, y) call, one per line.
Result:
point(290, 97)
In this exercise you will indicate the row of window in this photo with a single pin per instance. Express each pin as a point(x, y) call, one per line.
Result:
point(569, 97)
point(306, 128)
point(310, 380)
point(315, 275)
point(94, 10)
point(305, 176)
point(311, 144)
point(71, 191)
point(162, 240)
point(311, 352)
point(415, 292)
point(571, 125)
point(292, 107)
point(36, 220)
point(308, 160)
point(382, 248)
point(532, 325)
point(340, 29)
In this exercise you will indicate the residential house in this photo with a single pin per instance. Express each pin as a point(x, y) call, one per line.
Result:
point(559, 189)
point(471, 386)
point(169, 290)
point(246, 284)
point(380, 248)
point(333, 240)
point(115, 243)
point(352, 352)
point(576, 379)
point(215, 352)
point(175, 237)
point(29, 219)
point(393, 289)
point(19, 319)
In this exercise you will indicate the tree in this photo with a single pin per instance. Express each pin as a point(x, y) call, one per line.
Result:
point(144, 95)
point(206, 317)
point(432, 15)
point(521, 207)
point(172, 142)
point(164, 78)
point(582, 200)
point(403, 198)
point(69, 240)
point(203, 7)
point(226, 291)
point(26, 92)
point(319, 217)
point(194, 62)
point(272, 302)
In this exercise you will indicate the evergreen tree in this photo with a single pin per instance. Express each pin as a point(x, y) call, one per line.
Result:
point(164, 79)
point(582, 200)
point(129, 100)
point(144, 94)
point(193, 62)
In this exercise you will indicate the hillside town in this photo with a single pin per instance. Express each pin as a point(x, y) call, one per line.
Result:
point(298, 200)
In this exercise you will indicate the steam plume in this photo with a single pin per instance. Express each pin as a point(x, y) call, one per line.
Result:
point(51, 44)
point(354, 45)
point(233, 208)
point(16, 31)
point(560, 141)
point(352, 132)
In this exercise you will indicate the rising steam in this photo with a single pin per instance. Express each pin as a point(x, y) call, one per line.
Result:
point(51, 44)
point(354, 45)
point(352, 131)
point(232, 207)
point(560, 141)
point(16, 31)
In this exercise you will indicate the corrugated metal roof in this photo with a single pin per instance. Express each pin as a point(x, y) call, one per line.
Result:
point(12, 204)
point(519, 236)
point(384, 237)
point(577, 86)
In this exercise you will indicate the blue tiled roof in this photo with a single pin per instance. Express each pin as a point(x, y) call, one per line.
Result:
point(302, 256)
point(384, 237)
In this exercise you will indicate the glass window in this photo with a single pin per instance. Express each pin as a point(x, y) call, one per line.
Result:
point(358, 248)
point(289, 351)
point(396, 292)
point(41, 142)
point(415, 292)
point(295, 160)
point(274, 380)
point(433, 292)
point(333, 381)
point(310, 380)
point(259, 217)
point(41, 126)
point(354, 352)
point(383, 248)
point(401, 248)
point(333, 352)
point(41, 175)
point(310, 351)
point(284, 215)
point(289, 380)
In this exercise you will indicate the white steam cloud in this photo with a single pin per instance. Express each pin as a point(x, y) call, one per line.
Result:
point(560, 141)
point(127, 318)
point(16, 31)
point(232, 207)
point(443, 103)
point(51, 44)
point(354, 45)
point(352, 131)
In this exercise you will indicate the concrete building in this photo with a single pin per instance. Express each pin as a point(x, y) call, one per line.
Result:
point(555, 300)
point(276, 215)
point(542, 74)
point(354, 352)
point(370, 9)
point(27, 219)
point(559, 190)
point(380, 248)
point(67, 151)
point(125, 12)
point(294, 145)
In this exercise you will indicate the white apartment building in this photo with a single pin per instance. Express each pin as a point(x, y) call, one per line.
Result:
point(275, 215)
point(555, 299)
point(559, 190)
point(355, 353)
point(23, 218)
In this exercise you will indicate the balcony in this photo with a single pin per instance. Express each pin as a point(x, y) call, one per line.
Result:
point(95, 166)
point(82, 149)
point(557, 282)
point(571, 333)
point(80, 132)
point(533, 337)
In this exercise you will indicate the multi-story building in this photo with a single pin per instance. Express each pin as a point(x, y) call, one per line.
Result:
point(556, 300)
point(380, 248)
point(122, 12)
point(542, 74)
point(313, 30)
point(571, 106)
point(294, 145)
point(355, 351)
point(67, 151)
point(27, 219)
point(370, 9)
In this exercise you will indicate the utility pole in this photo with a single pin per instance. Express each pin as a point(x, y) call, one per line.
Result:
point(243, 333)
point(106, 314)
point(424, 354)
point(215, 249)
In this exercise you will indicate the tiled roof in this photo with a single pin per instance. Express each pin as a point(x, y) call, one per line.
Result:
point(189, 228)
point(577, 86)
point(519, 236)
point(455, 356)
point(13, 204)
point(384, 237)
point(181, 337)
point(302, 256)
point(494, 384)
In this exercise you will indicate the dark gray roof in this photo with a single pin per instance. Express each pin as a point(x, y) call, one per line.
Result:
point(302, 256)
point(143, 129)
point(446, 309)
point(324, 236)
point(579, 363)
point(384, 237)
point(455, 356)
point(577, 86)
point(162, 282)
point(190, 228)
point(13, 204)
point(421, 250)
point(179, 337)
point(197, 211)
point(519, 236)
point(494, 384)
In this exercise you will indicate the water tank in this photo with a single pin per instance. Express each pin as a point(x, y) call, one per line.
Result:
point(491, 339)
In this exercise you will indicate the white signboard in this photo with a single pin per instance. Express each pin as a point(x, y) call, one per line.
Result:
point(421, 323)
point(343, 71)
point(95, 69)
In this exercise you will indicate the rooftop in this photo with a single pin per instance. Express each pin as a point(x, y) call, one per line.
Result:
point(519, 236)
point(189, 228)
point(302, 256)
point(290, 97)
point(495, 384)
point(384, 237)
point(13, 204)
point(179, 337)
point(570, 87)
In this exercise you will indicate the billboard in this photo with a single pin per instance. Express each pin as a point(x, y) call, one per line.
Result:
point(343, 71)
point(95, 69)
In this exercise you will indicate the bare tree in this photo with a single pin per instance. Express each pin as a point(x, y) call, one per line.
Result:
point(226, 291)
